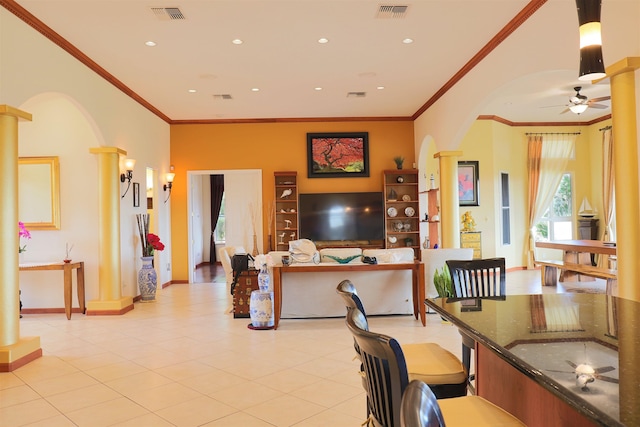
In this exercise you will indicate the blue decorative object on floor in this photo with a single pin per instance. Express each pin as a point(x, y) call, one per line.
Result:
point(147, 279)
point(261, 309)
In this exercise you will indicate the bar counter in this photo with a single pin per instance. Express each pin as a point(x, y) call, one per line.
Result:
point(529, 349)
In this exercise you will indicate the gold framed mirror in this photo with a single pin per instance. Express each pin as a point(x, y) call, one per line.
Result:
point(39, 192)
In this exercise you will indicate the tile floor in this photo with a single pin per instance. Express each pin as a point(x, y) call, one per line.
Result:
point(180, 361)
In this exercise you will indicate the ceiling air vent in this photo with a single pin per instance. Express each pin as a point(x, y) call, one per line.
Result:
point(222, 96)
point(391, 12)
point(356, 94)
point(167, 13)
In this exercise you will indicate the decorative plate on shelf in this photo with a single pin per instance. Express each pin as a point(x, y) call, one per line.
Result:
point(406, 198)
point(393, 239)
point(392, 212)
point(409, 211)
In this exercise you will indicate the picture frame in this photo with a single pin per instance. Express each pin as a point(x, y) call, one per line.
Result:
point(338, 155)
point(136, 194)
point(468, 183)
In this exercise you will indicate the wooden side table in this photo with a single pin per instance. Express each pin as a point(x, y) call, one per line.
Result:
point(68, 285)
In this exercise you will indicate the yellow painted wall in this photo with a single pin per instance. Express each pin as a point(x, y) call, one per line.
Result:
point(501, 148)
point(272, 147)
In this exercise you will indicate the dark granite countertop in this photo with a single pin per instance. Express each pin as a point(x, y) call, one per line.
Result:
point(550, 337)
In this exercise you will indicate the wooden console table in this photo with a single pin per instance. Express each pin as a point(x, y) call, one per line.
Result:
point(418, 291)
point(68, 285)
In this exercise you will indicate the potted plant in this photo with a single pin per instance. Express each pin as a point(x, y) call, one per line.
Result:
point(399, 161)
point(442, 282)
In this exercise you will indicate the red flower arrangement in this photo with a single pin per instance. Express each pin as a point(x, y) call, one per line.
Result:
point(150, 241)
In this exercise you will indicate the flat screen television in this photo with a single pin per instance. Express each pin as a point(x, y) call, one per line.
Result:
point(341, 216)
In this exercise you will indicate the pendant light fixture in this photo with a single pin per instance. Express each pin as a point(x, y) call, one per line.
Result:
point(591, 62)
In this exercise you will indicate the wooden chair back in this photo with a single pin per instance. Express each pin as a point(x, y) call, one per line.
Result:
point(478, 278)
point(385, 371)
point(420, 407)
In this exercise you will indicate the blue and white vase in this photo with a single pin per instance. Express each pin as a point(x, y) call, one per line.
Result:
point(264, 281)
point(147, 280)
point(261, 309)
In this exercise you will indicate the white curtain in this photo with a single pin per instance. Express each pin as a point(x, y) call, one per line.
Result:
point(608, 194)
point(556, 151)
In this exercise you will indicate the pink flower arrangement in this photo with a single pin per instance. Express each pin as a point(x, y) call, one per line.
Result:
point(23, 233)
point(150, 241)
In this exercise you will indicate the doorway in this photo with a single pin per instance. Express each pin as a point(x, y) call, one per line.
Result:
point(243, 209)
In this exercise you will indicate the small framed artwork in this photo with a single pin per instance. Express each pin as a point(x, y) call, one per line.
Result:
point(335, 155)
point(136, 194)
point(472, 304)
point(468, 183)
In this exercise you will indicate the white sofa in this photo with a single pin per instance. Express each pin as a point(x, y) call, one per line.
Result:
point(314, 294)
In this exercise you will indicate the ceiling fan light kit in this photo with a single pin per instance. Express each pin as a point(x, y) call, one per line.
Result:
point(578, 108)
point(591, 62)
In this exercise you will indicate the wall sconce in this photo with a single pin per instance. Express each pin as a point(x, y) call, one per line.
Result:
point(591, 62)
point(169, 177)
point(128, 165)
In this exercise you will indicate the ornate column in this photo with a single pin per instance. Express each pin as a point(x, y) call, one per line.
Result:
point(625, 160)
point(109, 272)
point(449, 209)
point(14, 351)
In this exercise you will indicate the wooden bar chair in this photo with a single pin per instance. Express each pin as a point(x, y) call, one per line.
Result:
point(420, 408)
point(429, 362)
point(477, 278)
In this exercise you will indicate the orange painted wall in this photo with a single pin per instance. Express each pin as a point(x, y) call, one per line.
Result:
point(273, 147)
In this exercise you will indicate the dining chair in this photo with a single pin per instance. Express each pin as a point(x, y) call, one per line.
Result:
point(420, 408)
point(428, 361)
point(477, 278)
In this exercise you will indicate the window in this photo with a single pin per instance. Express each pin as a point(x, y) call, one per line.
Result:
point(557, 222)
point(506, 214)
point(219, 234)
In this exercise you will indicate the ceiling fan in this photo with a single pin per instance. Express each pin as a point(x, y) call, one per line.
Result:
point(579, 103)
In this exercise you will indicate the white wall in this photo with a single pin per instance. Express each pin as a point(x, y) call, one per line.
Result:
point(73, 110)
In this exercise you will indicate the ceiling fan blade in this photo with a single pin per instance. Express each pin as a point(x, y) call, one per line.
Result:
point(608, 379)
point(604, 369)
point(602, 98)
point(599, 106)
point(566, 110)
point(553, 106)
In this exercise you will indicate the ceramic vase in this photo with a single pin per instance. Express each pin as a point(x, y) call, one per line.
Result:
point(147, 280)
point(264, 281)
point(261, 309)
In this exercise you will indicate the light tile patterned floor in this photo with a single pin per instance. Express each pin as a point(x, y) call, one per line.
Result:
point(180, 361)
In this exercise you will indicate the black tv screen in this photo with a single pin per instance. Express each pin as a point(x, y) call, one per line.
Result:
point(341, 216)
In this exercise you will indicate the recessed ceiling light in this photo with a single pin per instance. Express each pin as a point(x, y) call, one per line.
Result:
point(192, 91)
point(318, 88)
point(237, 41)
point(255, 89)
point(323, 40)
point(407, 41)
point(380, 87)
point(150, 43)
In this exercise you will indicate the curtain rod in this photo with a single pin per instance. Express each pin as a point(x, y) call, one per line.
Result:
point(605, 128)
point(552, 133)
